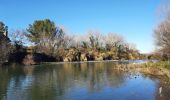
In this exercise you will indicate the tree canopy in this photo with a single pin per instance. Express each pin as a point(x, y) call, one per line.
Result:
point(162, 33)
point(46, 35)
point(41, 29)
point(3, 28)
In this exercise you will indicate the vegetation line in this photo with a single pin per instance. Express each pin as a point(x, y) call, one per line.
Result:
point(44, 41)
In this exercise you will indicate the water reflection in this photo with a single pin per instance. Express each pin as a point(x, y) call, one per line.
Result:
point(72, 81)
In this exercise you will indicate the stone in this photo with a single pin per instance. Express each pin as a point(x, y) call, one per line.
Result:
point(83, 57)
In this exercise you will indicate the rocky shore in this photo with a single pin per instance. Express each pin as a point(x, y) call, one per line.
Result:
point(77, 55)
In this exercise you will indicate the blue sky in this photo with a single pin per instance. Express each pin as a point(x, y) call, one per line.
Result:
point(134, 19)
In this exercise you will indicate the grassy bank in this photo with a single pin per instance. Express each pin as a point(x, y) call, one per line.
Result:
point(163, 66)
point(160, 64)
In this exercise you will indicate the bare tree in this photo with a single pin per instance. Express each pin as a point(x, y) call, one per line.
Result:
point(162, 35)
point(113, 40)
point(19, 39)
point(95, 39)
point(68, 41)
point(163, 10)
point(131, 46)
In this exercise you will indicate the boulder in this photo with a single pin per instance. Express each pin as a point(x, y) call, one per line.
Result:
point(83, 57)
point(99, 58)
point(72, 55)
point(66, 60)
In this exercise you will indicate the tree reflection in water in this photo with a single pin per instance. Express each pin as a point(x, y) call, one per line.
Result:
point(59, 81)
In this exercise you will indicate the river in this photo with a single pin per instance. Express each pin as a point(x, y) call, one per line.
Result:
point(79, 81)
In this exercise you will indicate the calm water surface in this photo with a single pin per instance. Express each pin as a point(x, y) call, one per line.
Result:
point(79, 81)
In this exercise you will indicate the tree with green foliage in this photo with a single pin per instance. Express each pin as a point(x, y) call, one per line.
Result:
point(41, 30)
point(3, 29)
point(46, 36)
point(4, 43)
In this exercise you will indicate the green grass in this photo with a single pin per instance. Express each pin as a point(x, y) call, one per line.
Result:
point(163, 64)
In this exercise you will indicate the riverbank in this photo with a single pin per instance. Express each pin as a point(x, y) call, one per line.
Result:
point(161, 68)
point(30, 55)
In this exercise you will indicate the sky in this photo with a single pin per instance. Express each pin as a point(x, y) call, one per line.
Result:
point(133, 19)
